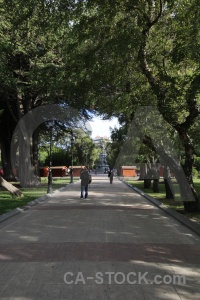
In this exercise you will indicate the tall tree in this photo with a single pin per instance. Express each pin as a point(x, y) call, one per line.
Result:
point(31, 68)
point(143, 52)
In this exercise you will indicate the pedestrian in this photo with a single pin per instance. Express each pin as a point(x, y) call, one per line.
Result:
point(84, 182)
point(111, 176)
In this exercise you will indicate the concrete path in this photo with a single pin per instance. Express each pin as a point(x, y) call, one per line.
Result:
point(114, 245)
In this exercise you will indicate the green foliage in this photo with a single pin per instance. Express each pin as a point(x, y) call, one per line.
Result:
point(59, 158)
point(88, 54)
point(197, 163)
point(195, 172)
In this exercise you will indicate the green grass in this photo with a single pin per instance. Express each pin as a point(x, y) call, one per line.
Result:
point(9, 202)
point(174, 204)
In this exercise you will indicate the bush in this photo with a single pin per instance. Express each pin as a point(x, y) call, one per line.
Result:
point(197, 163)
point(195, 173)
point(58, 158)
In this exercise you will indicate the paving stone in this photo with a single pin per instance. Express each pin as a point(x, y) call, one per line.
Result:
point(116, 231)
point(160, 292)
point(55, 291)
point(125, 292)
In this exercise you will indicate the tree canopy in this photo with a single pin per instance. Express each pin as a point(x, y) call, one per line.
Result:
point(106, 56)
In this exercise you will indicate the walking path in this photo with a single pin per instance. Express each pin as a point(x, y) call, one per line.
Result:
point(113, 245)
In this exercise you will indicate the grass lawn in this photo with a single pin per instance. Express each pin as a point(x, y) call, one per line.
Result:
point(174, 204)
point(9, 202)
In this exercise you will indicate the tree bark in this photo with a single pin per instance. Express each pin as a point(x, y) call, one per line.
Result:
point(168, 184)
point(156, 186)
point(187, 167)
point(27, 175)
point(142, 172)
point(11, 188)
point(8, 173)
point(155, 170)
point(147, 183)
point(6, 132)
point(147, 177)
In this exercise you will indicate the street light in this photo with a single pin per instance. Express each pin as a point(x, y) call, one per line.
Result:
point(72, 147)
point(49, 189)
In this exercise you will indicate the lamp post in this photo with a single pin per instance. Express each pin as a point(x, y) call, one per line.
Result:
point(49, 189)
point(72, 147)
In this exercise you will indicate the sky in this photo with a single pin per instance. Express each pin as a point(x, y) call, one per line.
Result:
point(102, 127)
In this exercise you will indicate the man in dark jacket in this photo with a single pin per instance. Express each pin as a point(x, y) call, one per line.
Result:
point(84, 182)
point(111, 176)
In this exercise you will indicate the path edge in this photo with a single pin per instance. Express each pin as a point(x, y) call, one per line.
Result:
point(180, 218)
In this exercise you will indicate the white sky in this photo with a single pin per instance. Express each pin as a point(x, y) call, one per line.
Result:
point(102, 127)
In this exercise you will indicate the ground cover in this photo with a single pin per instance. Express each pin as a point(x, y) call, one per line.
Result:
point(174, 204)
point(9, 202)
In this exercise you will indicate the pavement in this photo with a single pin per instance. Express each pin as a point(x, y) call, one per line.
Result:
point(116, 244)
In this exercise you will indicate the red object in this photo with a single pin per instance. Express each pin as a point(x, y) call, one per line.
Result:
point(44, 172)
point(59, 171)
point(77, 170)
point(128, 171)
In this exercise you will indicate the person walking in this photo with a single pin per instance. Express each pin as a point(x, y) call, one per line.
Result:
point(84, 182)
point(111, 176)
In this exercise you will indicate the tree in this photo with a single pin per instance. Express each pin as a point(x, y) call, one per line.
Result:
point(138, 55)
point(167, 87)
point(32, 75)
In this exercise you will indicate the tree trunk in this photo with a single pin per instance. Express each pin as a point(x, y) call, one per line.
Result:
point(187, 167)
point(183, 128)
point(169, 190)
point(27, 175)
point(22, 157)
point(155, 170)
point(6, 132)
point(156, 186)
point(8, 173)
point(148, 176)
point(191, 206)
point(187, 191)
point(11, 188)
point(147, 183)
point(142, 171)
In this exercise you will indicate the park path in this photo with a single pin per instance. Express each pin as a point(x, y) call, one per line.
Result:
point(114, 245)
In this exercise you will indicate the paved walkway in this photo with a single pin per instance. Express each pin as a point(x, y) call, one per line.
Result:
point(114, 245)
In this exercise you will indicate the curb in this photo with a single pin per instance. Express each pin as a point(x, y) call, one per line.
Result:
point(180, 218)
point(19, 210)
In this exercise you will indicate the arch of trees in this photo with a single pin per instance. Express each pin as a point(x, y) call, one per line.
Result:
point(106, 56)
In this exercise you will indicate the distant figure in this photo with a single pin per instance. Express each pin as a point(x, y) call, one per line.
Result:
point(110, 175)
point(85, 177)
